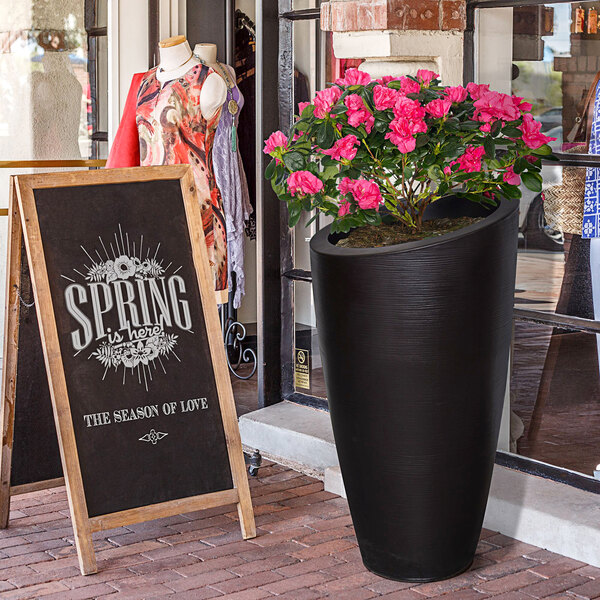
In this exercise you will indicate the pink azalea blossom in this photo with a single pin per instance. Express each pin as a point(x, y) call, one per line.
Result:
point(304, 182)
point(384, 97)
point(354, 77)
point(531, 133)
point(511, 177)
point(277, 139)
point(408, 109)
point(344, 208)
point(367, 194)
point(386, 79)
point(324, 101)
point(343, 148)
point(409, 86)
point(456, 94)
point(486, 127)
point(470, 161)
point(476, 90)
point(448, 170)
point(358, 113)
point(426, 77)
point(345, 185)
point(402, 133)
point(494, 105)
point(302, 106)
point(523, 106)
point(438, 108)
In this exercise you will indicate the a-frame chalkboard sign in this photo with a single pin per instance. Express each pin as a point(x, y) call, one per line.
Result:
point(141, 396)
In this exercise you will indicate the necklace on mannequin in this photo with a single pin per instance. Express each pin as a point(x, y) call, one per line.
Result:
point(187, 60)
point(232, 106)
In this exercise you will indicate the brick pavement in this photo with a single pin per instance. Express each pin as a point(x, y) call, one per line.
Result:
point(305, 550)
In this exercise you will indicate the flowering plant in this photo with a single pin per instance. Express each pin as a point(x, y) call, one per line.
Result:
point(366, 148)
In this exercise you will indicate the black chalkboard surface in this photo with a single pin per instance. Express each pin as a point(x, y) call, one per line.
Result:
point(131, 339)
point(35, 453)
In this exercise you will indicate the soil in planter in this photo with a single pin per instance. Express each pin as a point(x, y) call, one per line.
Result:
point(376, 236)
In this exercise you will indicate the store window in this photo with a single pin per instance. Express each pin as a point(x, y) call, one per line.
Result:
point(53, 89)
point(550, 55)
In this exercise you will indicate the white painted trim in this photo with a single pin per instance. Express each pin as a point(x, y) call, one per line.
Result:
point(114, 87)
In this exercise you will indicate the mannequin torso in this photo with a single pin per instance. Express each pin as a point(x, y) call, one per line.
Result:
point(176, 59)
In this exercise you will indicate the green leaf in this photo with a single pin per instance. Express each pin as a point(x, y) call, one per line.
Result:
point(294, 161)
point(295, 212)
point(308, 111)
point(511, 191)
point(325, 136)
point(270, 170)
point(532, 181)
point(422, 140)
point(490, 147)
point(520, 165)
point(512, 132)
point(544, 150)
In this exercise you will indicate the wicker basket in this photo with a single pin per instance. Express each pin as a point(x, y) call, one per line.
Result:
point(563, 203)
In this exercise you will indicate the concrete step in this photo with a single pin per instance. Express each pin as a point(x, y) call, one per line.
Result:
point(537, 511)
point(292, 435)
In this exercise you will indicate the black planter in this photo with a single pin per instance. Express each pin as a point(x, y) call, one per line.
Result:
point(415, 345)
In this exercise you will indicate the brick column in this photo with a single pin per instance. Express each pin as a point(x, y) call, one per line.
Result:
point(398, 37)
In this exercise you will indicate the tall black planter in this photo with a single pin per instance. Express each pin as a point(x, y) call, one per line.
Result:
point(415, 345)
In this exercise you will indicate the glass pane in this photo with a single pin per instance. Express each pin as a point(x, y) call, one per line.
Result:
point(555, 394)
point(550, 55)
point(44, 81)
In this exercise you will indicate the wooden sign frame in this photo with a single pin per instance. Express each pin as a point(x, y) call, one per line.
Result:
point(83, 524)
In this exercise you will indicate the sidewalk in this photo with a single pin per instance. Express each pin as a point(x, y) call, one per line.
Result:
point(305, 550)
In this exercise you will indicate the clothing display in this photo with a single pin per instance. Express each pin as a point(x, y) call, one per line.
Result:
point(172, 130)
point(591, 202)
point(245, 49)
point(231, 181)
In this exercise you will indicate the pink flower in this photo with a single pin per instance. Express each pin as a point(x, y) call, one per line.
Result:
point(486, 127)
point(344, 208)
point(409, 109)
point(358, 113)
point(475, 90)
point(456, 94)
point(438, 108)
point(302, 106)
point(494, 105)
point(345, 185)
point(386, 79)
point(531, 133)
point(523, 106)
point(426, 77)
point(366, 193)
point(448, 170)
point(354, 77)
point(511, 177)
point(409, 86)
point(277, 139)
point(304, 182)
point(470, 161)
point(384, 97)
point(324, 101)
point(402, 133)
point(343, 148)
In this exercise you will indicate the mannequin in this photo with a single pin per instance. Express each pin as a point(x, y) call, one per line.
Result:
point(171, 116)
point(177, 58)
point(229, 171)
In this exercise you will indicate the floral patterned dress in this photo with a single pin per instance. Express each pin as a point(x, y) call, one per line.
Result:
point(172, 131)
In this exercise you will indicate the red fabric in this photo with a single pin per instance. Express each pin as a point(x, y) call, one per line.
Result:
point(125, 150)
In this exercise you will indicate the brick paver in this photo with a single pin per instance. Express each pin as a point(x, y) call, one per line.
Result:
point(305, 550)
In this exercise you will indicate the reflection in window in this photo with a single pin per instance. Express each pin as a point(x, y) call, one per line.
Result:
point(555, 383)
point(45, 81)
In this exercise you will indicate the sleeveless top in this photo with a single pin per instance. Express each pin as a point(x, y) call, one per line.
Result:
point(231, 180)
point(172, 131)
